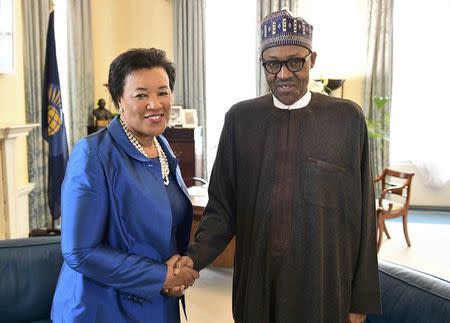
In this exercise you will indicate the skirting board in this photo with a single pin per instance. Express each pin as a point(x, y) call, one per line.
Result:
point(430, 208)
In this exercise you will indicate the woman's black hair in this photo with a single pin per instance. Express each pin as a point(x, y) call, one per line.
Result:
point(136, 59)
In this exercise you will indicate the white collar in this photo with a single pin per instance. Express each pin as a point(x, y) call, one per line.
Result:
point(301, 103)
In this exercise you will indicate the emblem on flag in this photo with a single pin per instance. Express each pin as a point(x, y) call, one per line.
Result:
point(54, 106)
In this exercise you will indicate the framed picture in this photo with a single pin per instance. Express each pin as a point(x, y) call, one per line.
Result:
point(189, 118)
point(175, 116)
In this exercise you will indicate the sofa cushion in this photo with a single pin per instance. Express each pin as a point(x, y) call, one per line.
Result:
point(409, 295)
point(29, 270)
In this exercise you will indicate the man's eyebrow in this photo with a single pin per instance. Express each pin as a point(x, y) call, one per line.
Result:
point(295, 55)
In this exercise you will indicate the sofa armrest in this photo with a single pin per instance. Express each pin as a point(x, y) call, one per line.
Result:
point(409, 295)
point(29, 270)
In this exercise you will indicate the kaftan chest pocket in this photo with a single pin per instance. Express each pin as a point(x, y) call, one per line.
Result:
point(326, 184)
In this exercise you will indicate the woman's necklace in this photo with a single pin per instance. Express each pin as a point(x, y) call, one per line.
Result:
point(161, 155)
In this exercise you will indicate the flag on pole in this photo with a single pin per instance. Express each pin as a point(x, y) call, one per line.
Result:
point(53, 129)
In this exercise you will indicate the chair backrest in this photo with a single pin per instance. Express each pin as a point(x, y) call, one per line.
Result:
point(391, 179)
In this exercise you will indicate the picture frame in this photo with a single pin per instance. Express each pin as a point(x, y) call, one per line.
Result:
point(175, 116)
point(189, 118)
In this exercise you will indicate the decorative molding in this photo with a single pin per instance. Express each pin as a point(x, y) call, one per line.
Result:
point(25, 190)
point(13, 131)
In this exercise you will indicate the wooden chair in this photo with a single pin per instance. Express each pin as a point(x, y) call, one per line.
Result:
point(393, 201)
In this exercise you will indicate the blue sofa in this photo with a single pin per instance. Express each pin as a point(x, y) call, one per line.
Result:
point(29, 270)
point(411, 296)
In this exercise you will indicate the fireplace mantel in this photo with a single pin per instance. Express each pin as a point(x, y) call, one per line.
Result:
point(14, 221)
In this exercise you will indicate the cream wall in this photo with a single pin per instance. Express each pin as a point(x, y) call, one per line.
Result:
point(123, 24)
point(12, 94)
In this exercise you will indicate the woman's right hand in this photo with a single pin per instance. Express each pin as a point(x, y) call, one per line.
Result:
point(183, 279)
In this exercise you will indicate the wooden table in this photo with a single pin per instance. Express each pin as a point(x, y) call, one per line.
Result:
point(199, 199)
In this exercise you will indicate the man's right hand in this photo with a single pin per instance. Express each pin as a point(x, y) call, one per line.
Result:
point(183, 261)
point(178, 266)
point(175, 284)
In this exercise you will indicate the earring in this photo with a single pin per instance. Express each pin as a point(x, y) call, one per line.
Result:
point(120, 109)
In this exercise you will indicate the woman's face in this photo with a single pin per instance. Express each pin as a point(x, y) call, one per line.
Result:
point(146, 102)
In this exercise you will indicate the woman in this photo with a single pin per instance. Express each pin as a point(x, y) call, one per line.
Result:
point(125, 208)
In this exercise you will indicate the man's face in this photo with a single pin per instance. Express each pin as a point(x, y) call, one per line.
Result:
point(288, 86)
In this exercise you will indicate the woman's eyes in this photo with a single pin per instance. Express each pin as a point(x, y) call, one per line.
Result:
point(144, 95)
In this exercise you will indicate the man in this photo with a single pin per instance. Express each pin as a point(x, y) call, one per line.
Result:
point(292, 182)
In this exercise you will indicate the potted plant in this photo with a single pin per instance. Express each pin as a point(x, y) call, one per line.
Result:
point(376, 128)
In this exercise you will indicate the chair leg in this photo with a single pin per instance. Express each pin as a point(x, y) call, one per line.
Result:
point(386, 230)
point(380, 233)
point(405, 229)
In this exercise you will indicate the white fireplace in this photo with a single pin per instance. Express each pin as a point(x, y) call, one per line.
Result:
point(14, 217)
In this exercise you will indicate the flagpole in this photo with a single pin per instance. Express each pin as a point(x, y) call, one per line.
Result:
point(53, 129)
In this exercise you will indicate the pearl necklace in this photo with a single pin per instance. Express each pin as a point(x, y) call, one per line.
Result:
point(161, 155)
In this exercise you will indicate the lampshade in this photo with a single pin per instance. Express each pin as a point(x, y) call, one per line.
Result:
point(334, 84)
point(330, 85)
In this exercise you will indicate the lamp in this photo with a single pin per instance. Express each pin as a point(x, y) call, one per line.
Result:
point(330, 85)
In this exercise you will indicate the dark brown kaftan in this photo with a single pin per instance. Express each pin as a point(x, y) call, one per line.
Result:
point(295, 188)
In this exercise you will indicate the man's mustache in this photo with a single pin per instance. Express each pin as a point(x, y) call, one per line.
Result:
point(288, 82)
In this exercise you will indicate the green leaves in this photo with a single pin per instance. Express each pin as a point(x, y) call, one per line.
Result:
point(380, 101)
point(379, 121)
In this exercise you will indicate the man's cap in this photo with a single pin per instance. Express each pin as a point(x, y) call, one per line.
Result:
point(281, 28)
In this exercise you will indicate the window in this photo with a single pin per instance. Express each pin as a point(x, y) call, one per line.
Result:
point(230, 62)
point(61, 35)
point(420, 126)
point(6, 37)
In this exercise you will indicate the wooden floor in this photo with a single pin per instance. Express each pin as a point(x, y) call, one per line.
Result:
point(209, 300)
point(429, 233)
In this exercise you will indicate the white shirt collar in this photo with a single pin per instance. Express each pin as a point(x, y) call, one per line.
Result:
point(301, 103)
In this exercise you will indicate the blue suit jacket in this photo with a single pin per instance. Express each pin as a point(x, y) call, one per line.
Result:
point(116, 231)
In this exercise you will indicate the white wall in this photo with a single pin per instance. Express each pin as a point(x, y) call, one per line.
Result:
point(421, 193)
point(339, 37)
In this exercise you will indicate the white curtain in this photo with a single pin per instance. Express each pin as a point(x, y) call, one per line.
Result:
point(378, 81)
point(189, 59)
point(230, 62)
point(35, 22)
point(80, 73)
point(420, 131)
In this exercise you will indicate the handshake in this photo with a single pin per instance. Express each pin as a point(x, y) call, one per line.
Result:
point(180, 275)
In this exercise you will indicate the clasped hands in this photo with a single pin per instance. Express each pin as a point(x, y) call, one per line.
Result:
point(180, 275)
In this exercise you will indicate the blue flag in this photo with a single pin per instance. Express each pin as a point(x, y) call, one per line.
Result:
point(53, 129)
